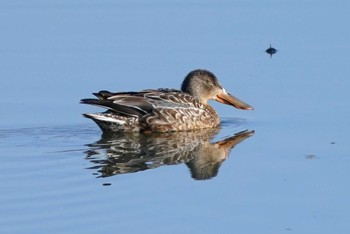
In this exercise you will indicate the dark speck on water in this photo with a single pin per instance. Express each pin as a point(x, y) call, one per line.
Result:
point(271, 51)
point(311, 156)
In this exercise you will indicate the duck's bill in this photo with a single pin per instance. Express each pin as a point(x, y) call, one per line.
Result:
point(228, 99)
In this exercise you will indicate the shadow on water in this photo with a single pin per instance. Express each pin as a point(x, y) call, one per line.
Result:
point(133, 152)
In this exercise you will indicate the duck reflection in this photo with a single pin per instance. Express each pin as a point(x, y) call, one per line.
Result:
point(134, 152)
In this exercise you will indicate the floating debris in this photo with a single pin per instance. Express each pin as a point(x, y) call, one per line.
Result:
point(106, 184)
point(271, 51)
point(310, 156)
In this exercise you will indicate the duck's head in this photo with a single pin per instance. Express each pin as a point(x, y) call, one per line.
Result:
point(203, 85)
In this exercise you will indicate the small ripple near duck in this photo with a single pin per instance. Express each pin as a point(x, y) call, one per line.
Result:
point(164, 110)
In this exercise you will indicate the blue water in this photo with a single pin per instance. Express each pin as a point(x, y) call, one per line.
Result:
point(291, 175)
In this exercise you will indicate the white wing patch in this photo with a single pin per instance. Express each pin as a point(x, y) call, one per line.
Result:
point(107, 118)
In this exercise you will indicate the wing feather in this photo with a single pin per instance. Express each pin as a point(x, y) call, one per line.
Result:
point(138, 104)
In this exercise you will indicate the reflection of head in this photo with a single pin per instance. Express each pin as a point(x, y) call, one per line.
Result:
point(206, 162)
point(203, 172)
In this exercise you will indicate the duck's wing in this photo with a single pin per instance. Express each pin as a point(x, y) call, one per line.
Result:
point(127, 103)
point(137, 104)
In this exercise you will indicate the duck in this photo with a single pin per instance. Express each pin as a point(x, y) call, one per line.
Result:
point(164, 110)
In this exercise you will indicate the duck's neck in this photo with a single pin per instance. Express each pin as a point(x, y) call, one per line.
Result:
point(189, 87)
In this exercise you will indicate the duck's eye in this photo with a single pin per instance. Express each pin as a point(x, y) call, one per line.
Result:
point(209, 83)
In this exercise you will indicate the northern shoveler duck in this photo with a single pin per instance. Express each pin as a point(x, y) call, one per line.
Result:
point(164, 110)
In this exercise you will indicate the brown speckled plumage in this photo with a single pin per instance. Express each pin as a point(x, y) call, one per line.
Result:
point(164, 110)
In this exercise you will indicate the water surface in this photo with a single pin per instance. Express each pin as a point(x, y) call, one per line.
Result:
point(59, 175)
